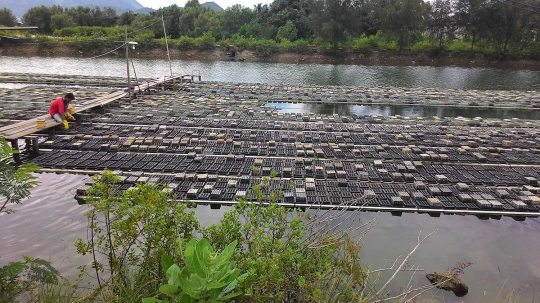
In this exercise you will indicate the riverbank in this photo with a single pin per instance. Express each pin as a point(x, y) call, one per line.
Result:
point(381, 57)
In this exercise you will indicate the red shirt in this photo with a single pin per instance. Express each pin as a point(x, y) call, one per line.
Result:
point(57, 107)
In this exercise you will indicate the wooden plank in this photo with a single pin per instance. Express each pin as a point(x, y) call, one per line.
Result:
point(28, 127)
point(80, 107)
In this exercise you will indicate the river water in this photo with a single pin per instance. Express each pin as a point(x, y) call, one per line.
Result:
point(280, 73)
point(502, 252)
point(405, 111)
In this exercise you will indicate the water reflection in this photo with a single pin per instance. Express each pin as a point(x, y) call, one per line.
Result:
point(290, 74)
point(406, 111)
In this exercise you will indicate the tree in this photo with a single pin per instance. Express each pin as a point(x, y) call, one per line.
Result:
point(207, 21)
point(39, 16)
point(470, 17)
point(281, 11)
point(287, 31)
point(106, 17)
point(440, 22)
point(81, 15)
point(234, 17)
point(171, 15)
point(402, 18)
point(251, 29)
point(7, 18)
point(503, 23)
point(59, 21)
point(333, 19)
point(126, 18)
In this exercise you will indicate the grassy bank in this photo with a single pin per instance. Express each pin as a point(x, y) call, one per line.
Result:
point(103, 39)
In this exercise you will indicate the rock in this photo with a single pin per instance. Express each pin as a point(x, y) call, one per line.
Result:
point(448, 281)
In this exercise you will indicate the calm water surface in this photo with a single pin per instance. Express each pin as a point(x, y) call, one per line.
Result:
point(502, 251)
point(406, 111)
point(281, 73)
point(48, 224)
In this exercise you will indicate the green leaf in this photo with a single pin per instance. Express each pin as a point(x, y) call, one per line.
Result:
point(189, 252)
point(214, 285)
point(13, 269)
point(200, 267)
point(197, 283)
point(173, 274)
point(231, 275)
point(166, 263)
point(204, 243)
point(169, 290)
point(230, 287)
point(186, 299)
point(186, 287)
point(206, 255)
point(226, 253)
point(243, 277)
point(229, 296)
point(153, 300)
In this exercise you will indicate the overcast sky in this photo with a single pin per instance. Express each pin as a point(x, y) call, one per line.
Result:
point(155, 4)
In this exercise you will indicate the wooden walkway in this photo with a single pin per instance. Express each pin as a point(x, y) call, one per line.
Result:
point(28, 127)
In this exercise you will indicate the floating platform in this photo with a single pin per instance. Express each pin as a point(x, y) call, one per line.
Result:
point(211, 142)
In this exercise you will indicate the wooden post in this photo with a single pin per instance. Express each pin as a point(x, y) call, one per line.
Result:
point(15, 146)
point(35, 145)
point(127, 62)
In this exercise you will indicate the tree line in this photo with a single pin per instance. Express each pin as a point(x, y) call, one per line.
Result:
point(495, 26)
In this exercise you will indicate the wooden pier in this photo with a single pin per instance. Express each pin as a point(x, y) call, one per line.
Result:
point(28, 127)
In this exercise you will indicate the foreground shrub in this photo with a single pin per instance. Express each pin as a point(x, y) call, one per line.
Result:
point(129, 232)
point(206, 276)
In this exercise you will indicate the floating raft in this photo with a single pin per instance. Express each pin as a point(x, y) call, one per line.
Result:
point(211, 142)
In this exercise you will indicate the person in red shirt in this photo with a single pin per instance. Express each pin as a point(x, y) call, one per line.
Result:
point(59, 110)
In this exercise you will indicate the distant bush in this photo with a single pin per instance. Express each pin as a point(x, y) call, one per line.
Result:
point(459, 46)
point(90, 31)
point(206, 41)
point(366, 43)
point(425, 45)
point(185, 43)
point(388, 45)
point(301, 46)
point(266, 48)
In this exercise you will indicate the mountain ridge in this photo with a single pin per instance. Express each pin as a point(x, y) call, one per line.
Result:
point(20, 7)
point(214, 6)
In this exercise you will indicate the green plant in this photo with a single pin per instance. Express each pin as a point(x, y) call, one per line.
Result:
point(367, 43)
point(289, 255)
point(185, 43)
point(131, 231)
point(425, 45)
point(18, 278)
point(206, 41)
point(15, 181)
point(62, 292)
point(265, 48)
point(301, 46)
point(206, 277)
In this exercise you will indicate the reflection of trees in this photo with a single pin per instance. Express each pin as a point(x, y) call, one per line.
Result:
point(329, 109)
point(397, 76)
point(325, 75)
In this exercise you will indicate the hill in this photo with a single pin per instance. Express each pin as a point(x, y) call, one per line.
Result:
point(20, 7)
point(214, 6)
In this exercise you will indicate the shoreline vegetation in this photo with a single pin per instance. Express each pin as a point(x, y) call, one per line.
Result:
point(473, 33)
point(219, 53)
